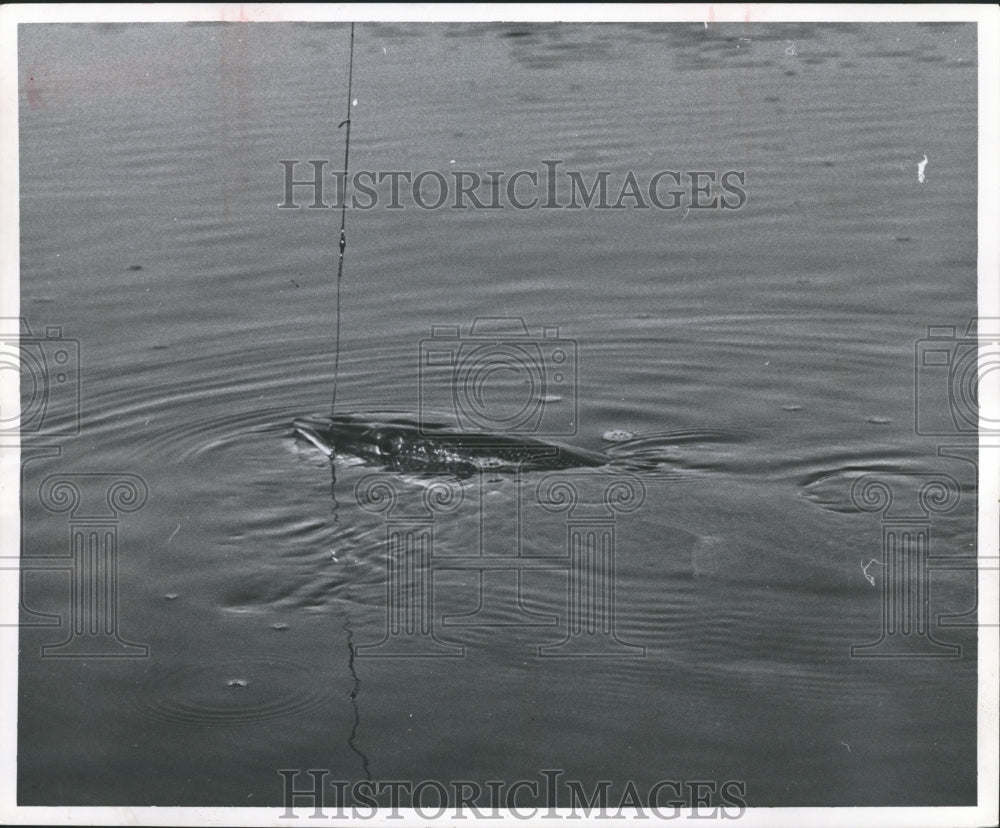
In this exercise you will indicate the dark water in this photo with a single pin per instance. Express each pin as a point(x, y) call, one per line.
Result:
point(764, 356)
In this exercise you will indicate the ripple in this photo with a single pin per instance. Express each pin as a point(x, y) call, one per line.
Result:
point(187, 440)
point(832, 489)
point(193, 401)
point(233, 693)
point(680, 437)
point(698, 449)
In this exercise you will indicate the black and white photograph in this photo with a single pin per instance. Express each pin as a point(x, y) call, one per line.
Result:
point(562, 414)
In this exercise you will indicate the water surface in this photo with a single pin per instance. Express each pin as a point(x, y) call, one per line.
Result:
point(766, 355)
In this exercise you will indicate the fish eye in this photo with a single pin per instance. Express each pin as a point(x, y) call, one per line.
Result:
point(387, 443)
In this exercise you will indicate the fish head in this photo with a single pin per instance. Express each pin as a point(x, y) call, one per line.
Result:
point(383, 441)
point(337, 435)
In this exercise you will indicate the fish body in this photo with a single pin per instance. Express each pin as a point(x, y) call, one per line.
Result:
point(401, 444)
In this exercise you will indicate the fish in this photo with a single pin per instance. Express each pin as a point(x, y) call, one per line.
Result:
point(399, 443)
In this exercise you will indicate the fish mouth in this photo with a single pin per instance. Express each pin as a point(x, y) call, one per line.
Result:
point(344, 433)
point(306, 429)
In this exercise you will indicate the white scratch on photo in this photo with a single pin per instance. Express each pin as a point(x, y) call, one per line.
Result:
point(864, 570)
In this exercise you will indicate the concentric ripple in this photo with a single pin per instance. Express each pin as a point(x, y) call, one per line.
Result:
point(233, 693)
point(704, 449)
point(192, 439)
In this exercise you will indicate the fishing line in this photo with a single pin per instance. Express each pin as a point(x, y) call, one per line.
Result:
point(343, 219)
point(353, 695)
point(356, 681)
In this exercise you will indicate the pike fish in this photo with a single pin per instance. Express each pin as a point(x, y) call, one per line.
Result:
point(398, 443)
